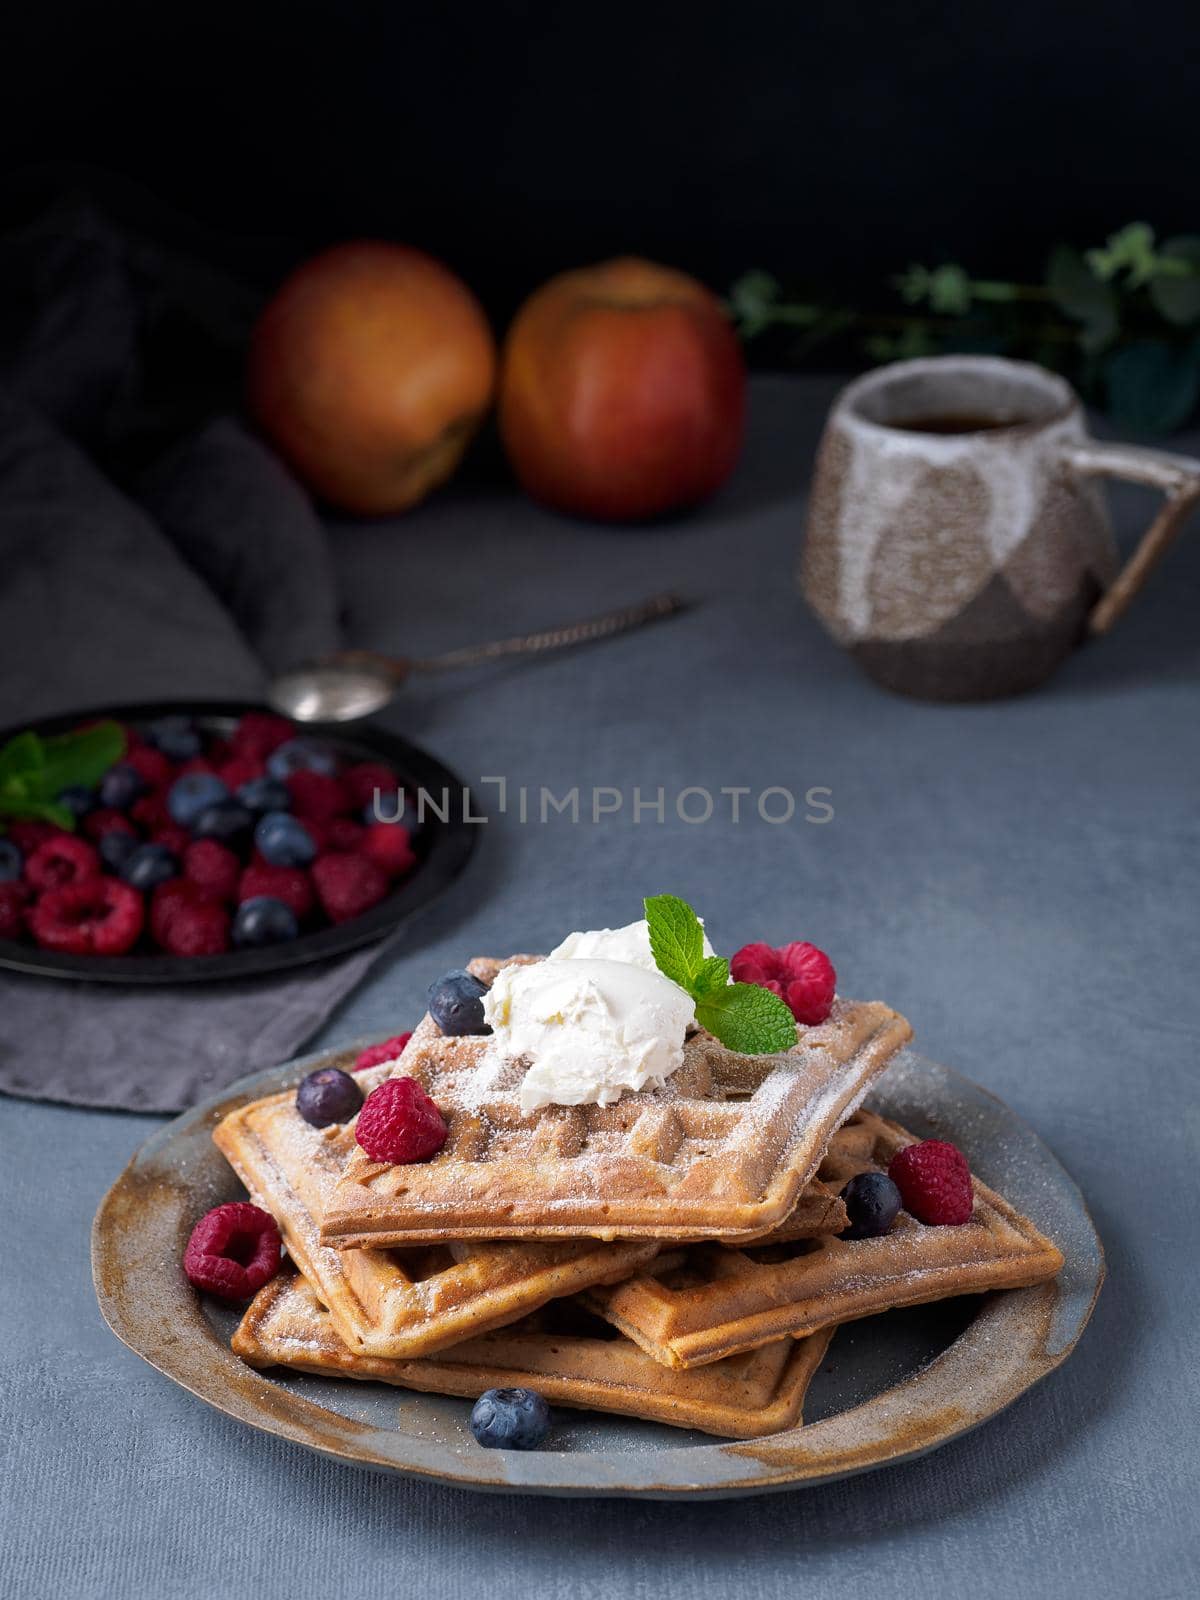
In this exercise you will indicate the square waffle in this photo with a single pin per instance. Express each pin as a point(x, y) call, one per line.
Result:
point(707, 1302)
point(588, 1367)
point(723, 1148)
point(400, 1302)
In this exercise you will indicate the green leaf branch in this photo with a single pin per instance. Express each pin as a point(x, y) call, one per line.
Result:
point(1122, 320)
point(34, 770)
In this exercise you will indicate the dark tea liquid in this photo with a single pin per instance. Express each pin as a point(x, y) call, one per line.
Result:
point(957, 422)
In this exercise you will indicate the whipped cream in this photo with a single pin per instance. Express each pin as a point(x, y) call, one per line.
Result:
point(630, 945)
point(590, 1029)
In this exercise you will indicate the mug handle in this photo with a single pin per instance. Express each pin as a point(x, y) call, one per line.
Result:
point(1179, 479)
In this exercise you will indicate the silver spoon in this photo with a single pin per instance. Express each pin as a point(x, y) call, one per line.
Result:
point(355, 683)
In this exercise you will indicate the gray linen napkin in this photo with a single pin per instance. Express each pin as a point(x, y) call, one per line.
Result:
point(98, 605)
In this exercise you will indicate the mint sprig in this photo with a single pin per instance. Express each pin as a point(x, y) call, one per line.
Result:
point(743, 1016)
point(35, 770)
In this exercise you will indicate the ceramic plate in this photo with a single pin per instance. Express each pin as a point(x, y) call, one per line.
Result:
point(442, 848)
point(891, 1387)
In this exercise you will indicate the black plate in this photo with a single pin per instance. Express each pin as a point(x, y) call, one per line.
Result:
point(442, 849)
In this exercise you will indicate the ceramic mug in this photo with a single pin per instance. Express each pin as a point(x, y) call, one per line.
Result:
point(957, 541)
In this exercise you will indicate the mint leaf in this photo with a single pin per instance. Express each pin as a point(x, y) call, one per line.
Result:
point(82, 757)
point(747, 1018)
point(676, 938)
point(712, 977)
point(39, 810)
point(21, 757)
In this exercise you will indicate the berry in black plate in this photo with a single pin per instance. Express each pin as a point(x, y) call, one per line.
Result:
point(328, 1096)
point(176, 737)
point(116, 847)
point(284, 841)
point(121, 786)
point(297, 755)
point(193, 793)
point(12, 863)
point(456, 1003)
point(78, 800)
point(510, 1419)
point(872, 1204)
point(265, 794)
point(264, 920)
point(147, 865)
point(228, 822)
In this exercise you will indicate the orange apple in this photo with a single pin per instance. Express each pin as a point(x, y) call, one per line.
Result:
point(622, 391)
point(370, 370)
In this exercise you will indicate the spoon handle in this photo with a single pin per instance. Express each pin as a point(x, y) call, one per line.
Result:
point(602, 627)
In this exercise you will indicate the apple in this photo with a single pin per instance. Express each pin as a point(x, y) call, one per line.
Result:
point(370, 370)
point(622, 391)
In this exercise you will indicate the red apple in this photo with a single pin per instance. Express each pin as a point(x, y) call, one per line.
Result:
point(622, 391)
point(370, 370)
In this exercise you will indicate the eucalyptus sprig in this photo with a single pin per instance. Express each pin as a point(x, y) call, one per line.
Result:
point(34, 770)
point(1121, 319)
point(743, 1016)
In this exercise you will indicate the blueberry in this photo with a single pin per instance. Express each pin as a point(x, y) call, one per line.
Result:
point(176, 737)
point(78, 800)
point(284, 841)
point(328, 1096)
point(265, 794)
point(872, 1204)
point(456, 1003)
point(227, 821)
point(115, 848)
point(264, 920)
point(121, 786)
point(12, 862)
point(193, 793)
point(510, 1419)
point(147, 865)
point(301, 755)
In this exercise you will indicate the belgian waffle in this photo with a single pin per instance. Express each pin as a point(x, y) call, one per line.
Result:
point(743, 1397)
point(708, 1302)
point(402, 1302)
point(723, 1148)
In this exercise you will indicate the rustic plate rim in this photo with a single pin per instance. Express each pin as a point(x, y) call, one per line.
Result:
point(1038, 1328)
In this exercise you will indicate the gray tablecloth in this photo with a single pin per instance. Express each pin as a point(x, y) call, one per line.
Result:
point(1020, 878)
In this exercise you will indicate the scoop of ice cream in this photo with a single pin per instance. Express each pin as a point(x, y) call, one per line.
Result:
point(589, 1029)
point(630, 944)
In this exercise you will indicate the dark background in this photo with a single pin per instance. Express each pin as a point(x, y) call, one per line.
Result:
point(831, 144)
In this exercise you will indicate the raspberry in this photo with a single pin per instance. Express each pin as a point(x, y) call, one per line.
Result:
point(399, 1123)
point(27, 833)
point(388, 845)
point(259, 732)
point(239, 770)
point(61, 861)
point(233, 1251)
point(934, 1181)
point(800, 974)
point(12, 910)
point(197, 764)
point(150, 812)
point(364, 778)
point(213, 868)
point(175, 839)
point(154, 769)
point(348, 885)
point(166, 900)
point(105, 820)
point(100, 917)
point(376, 1054)
point(195, 926)
point(318, 795)
point(289, 884)
point(343, 833)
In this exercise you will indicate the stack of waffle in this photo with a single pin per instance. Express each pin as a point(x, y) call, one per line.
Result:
point(674, 1256)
